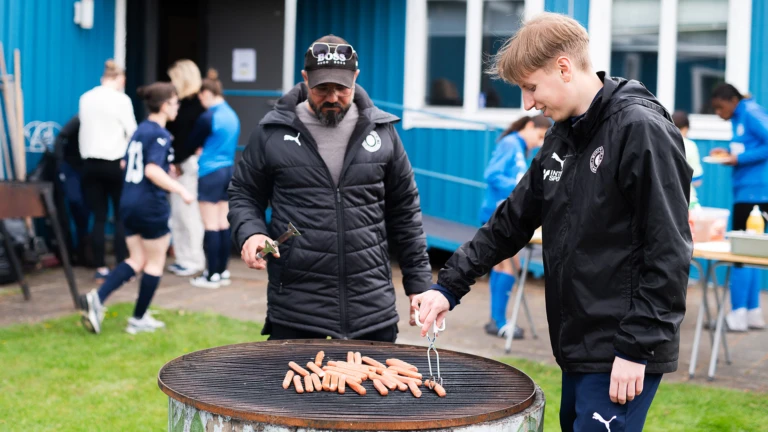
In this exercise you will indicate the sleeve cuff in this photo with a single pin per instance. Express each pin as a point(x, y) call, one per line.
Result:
point(628, 358)
point(452, 299)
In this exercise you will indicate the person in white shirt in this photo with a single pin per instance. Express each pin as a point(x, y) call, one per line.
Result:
point(107, 122)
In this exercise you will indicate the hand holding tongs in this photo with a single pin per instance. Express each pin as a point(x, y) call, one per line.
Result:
point(437, 381)
point(270, 248)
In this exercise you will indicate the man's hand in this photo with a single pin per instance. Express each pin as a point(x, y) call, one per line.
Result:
point(412, 321)
point(626, 380)
point(252, 246)
point(432, 306)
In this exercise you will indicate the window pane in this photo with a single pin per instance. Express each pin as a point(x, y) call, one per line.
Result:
point(446, 33)
point(635, 40)
point(501, 20)
point(701, 45)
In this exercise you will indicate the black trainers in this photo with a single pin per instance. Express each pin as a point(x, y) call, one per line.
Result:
point(493, 330)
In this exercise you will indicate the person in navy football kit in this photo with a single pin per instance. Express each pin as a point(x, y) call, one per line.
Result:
point(145, 209)
point(216, 131)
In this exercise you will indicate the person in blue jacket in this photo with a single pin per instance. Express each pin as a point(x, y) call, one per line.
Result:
point(507, 166)
point(748, 154)
point(216, 131)
point(145, 211)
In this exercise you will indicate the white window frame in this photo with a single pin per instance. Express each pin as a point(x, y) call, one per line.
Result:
point(709, 127)
point(739, 36)
point(414, 97)
point(121, 13)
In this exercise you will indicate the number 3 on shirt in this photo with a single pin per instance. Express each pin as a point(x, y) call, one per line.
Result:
point(134, 172)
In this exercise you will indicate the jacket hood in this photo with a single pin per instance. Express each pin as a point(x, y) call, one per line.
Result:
point(284, 112)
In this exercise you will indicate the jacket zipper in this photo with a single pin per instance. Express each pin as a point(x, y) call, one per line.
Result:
point(562, 252)
point(340, 219)
point(342, 284)
point(340, 229)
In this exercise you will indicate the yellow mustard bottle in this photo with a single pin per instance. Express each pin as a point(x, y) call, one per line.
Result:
point(755, 222)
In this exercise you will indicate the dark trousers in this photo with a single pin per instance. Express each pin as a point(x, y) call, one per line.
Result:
point(73, 192)
point(745, 281)
point(280, 332)
point(586, 405)
point(102, 183)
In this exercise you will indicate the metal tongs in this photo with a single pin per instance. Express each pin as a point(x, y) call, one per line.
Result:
point(435, 331)
point(270, 248)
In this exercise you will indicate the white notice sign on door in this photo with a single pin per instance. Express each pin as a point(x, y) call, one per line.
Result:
point(243, 65)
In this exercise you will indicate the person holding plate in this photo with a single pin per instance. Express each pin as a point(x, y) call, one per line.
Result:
point(748, 154)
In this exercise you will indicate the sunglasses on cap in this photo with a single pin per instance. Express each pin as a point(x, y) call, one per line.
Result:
point(324, 49)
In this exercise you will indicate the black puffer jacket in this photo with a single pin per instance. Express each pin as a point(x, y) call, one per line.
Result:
point(336, 277)
point(611, 195)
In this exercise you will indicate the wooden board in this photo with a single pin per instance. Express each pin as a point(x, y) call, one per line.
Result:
point(19, 150)
point(10, 113)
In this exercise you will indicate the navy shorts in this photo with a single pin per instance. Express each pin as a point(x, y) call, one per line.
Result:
point(148, 230)
point(212, 187)
point(586, 406)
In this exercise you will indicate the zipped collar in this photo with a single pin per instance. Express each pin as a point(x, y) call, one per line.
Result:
point(617, 94)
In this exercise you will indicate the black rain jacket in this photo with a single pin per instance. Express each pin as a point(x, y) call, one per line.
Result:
point(611, 194)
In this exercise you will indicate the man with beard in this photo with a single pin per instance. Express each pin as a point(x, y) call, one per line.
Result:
point(330, 162)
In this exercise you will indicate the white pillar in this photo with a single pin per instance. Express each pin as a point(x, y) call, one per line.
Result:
point(533, 8)
point(600, 13)
point(289, 44)
point(667, 62)
point(739, 42)
point(120, 31)
point(473, 55)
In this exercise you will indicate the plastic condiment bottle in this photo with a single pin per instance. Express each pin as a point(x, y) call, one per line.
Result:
point(755, 222)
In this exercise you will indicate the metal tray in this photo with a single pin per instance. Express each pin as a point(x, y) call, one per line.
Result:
point(743, 243)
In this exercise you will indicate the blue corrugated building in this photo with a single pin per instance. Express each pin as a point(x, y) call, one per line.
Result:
point(59, 61)
point(421, 59)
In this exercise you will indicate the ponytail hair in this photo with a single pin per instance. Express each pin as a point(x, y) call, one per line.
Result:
point(539, 121)
point(212, 83)
point(726, 92)
point(112, 70)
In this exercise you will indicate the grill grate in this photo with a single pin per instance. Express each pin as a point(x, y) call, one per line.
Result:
point(245, 381)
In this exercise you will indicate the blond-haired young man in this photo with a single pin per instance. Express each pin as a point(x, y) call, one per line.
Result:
point(610, 189)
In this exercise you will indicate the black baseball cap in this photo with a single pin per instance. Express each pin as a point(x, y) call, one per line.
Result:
point(328, 62)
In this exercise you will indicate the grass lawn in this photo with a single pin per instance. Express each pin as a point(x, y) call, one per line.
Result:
point(55, 376)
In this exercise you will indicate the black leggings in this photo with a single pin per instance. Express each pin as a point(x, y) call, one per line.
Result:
point(102, 182)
